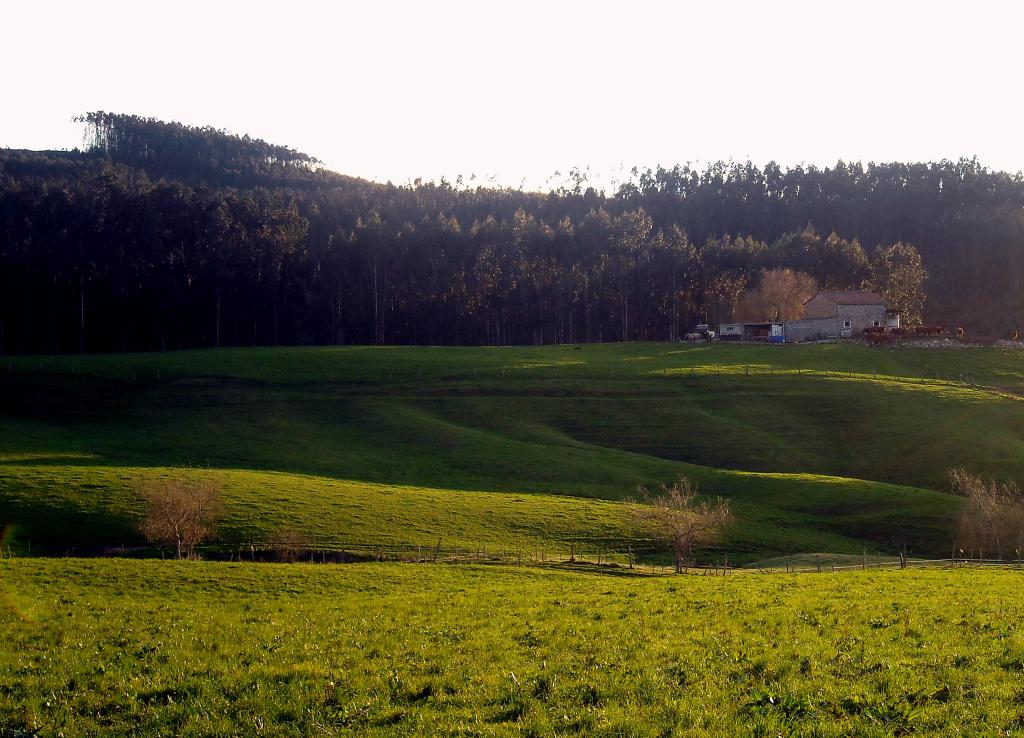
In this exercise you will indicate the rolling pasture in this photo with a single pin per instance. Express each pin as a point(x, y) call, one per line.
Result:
point(823, 452)
point(819, 448)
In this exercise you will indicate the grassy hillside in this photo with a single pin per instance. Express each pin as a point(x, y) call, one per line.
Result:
point(103, 647)
point(846, 441)
point(65, 506)
point(68, 509)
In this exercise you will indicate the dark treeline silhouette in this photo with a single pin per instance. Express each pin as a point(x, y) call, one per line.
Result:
point(165, 236)
point(200, 154)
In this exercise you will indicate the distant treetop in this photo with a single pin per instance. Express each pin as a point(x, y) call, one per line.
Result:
point(194, 153)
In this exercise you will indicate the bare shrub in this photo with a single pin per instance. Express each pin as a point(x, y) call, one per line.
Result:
point(180, 513)
point(992, 516)
point(677, 519)
point(290, 544)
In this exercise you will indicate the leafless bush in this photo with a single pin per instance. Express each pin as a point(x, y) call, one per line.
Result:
point(290, 544)
point(180, 513)
point(992, 516)
point(676, 518)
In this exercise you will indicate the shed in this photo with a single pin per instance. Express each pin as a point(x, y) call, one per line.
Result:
point(767, 331)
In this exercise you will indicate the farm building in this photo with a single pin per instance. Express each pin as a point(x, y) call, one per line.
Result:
point(767, 331)
point(828, 315)
point(852, 311)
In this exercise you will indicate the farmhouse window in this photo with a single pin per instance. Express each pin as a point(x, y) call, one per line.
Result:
point(846, 324)
point(876, 324)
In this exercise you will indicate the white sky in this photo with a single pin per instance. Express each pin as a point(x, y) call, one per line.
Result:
point(518, 89)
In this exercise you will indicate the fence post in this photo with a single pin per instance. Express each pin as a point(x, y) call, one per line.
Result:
point(629, 550)
point(437, 549)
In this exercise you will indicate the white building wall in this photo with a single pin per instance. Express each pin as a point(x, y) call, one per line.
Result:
point(853, 319)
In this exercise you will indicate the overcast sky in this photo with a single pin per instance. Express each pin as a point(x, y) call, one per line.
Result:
point(518, 90)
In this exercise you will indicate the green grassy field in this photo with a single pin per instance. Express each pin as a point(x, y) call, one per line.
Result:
point(820, 448)
point(147, 648)
point(823, 452)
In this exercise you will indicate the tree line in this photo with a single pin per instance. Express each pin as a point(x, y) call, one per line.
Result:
point(163, 236)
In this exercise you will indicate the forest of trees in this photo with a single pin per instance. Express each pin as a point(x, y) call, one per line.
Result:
point(163, 236)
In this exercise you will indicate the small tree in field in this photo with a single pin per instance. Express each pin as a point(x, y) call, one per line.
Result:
point(992, 516)
point(291, 543)
point(675, 517)
point(181, 513)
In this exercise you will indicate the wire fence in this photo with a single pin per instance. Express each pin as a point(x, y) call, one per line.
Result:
point(904, 563)
point(631, 556)
point(643, 558)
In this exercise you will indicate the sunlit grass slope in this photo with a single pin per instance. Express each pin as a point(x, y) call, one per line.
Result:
point(64, 509)
point(826, 424)
point(149, 648)
point(63, 505)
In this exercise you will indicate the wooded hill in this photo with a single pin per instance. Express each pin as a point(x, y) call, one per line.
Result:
point(164, 236)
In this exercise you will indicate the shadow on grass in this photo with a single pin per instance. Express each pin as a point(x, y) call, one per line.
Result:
point(585, 567)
